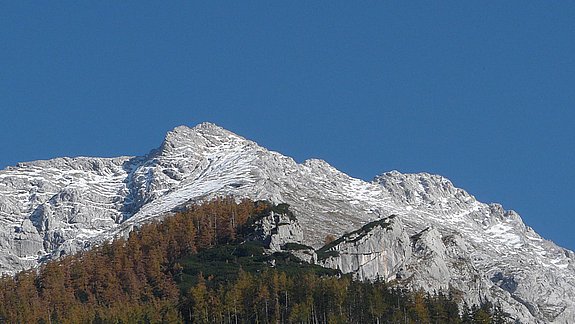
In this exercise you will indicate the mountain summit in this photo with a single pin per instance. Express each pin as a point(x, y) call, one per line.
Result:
point(440, 238)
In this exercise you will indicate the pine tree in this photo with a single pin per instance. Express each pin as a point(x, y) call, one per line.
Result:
point(199, 297)
point(419, 308)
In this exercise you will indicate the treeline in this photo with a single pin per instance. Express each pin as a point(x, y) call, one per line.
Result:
point(196, 267)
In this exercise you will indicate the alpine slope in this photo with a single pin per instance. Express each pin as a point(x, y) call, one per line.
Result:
point(441, 237)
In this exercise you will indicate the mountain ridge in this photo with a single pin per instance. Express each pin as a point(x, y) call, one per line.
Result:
point(61, 206)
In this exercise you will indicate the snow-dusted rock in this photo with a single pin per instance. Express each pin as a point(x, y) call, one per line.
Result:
point(54, 207)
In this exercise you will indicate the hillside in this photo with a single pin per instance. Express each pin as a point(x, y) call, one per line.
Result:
point(187, 269)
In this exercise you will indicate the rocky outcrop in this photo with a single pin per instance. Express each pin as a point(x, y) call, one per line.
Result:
point(276, 230)
point(376, 251)
point(382, 250)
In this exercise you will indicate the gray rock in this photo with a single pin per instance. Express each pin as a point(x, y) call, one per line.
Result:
point(277, 230)
point(74, 203)
point(376, 251)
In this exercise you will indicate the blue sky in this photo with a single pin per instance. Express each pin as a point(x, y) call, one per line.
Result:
point(482, 93)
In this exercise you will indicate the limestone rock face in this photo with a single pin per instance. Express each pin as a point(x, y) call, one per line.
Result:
point(52, 207)
point(277, 230)
point(382, 250)
point(60, 206)
point(376, 251)
point(430, 261)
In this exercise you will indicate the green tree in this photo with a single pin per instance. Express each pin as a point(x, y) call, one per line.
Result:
point(199, 297)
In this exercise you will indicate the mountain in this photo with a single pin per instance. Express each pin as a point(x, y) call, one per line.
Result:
point(441, 237)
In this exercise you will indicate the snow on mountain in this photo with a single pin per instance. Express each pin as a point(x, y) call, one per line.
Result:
point(56, 207)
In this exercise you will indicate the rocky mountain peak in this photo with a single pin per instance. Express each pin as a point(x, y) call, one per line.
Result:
point(202, 136)
point(425, 189)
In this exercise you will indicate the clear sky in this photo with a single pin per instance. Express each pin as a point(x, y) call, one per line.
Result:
point(480, 92)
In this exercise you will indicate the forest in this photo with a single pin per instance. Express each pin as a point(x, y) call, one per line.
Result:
point(199, 266)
